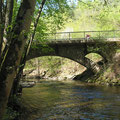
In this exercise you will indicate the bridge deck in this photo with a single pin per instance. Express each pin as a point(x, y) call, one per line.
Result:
point(83, 36)
point(82, 41)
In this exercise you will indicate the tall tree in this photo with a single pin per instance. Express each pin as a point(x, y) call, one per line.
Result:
point(24, 56)
point(18, 37)
point(14, 28)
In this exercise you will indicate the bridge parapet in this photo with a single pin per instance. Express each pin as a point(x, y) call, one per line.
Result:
point(85, 36)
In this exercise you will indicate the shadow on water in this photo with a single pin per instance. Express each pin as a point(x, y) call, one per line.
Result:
point(50, 100)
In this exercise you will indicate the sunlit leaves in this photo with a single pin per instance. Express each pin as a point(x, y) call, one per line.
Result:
point(53, 17)
point(96, 15)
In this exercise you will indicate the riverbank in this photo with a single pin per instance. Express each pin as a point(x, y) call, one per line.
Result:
point(110, 75)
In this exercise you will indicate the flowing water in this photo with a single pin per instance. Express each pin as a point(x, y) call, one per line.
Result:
point(52, 100)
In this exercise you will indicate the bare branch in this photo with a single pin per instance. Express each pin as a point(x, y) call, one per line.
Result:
point(35, 26)
point(105, 2)
point(36, 22)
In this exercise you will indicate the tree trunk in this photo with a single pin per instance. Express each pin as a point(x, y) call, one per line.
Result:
point(13, 57)
point(8, 18)
point(36, 22)
point(38, 67)
point(7, 21)
point(1, 28)
point(23, 61)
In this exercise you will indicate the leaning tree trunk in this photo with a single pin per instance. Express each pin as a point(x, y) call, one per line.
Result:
point(23, 60)
point(1, 28)
point(8, 17)
point(6, 23)
point(13, 57)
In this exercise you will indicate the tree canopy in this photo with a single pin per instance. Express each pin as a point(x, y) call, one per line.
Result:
point(96, 15)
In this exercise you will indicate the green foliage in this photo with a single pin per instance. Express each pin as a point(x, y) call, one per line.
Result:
point(94, 57)
point(86, 15)
point(95, 15)
point(30, 64)
point(53, 17)
point(15, 10)
point(51, 63)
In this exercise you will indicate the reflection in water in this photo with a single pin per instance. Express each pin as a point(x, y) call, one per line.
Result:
point(71, 101)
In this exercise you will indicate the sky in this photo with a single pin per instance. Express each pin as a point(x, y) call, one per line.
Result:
point(72, 1)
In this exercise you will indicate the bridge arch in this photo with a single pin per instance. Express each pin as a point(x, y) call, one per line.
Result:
point(105, 49)
point(76, 46)
point(94, 57)
point(83, 63)
point(56, 66)
point(97, 58)
point(75, 52)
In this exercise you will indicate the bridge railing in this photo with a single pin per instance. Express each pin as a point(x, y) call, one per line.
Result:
point(83, 35)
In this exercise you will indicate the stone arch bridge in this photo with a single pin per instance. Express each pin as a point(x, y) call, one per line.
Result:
point(76, 45)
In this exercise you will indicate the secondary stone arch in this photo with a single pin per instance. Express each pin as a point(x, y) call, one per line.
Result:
point(104, 49)
point(95, 57)
point(101, 55)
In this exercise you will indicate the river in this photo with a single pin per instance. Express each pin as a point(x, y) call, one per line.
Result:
point(53, 100)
